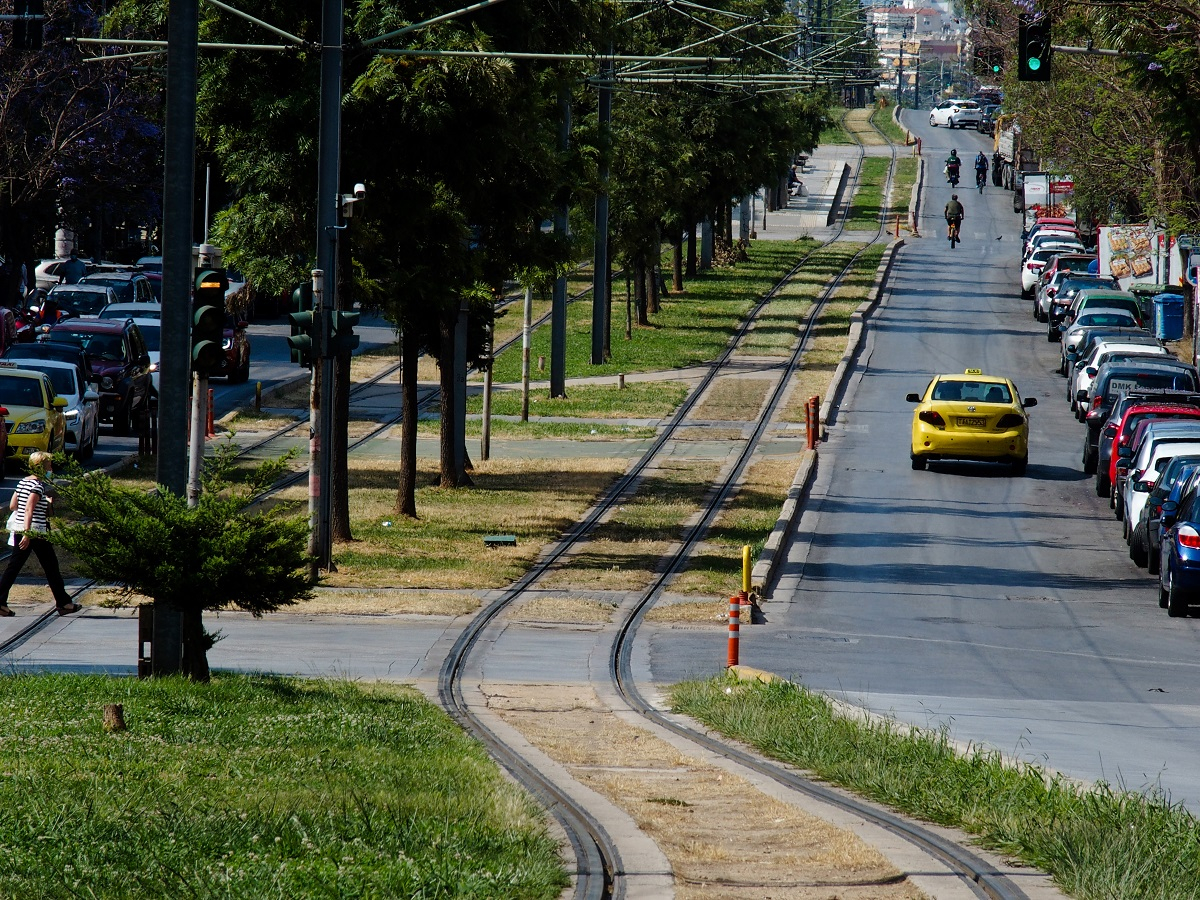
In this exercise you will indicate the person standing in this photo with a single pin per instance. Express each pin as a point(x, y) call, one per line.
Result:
point(73, 269)
point(31, 506)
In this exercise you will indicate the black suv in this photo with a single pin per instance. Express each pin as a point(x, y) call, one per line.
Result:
point(119, 362)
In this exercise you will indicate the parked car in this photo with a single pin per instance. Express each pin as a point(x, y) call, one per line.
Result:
point(1080, 380)
point(1032, 269)
point(34, 418)
point(49, 272)
point(1128, 412)
point(151, 330)
point(56, 350)
point(1060, 294)
point(970, 416)
point(955, 114)
point(1114, 379)
point(1103, 297)
point(1144, 533)
point(129, 287)
point(150, 264)
point(1154, 444)
point(132, 311)
point(1179, 553)
point(1079, 344)
point(81, 415)
point(119, 362)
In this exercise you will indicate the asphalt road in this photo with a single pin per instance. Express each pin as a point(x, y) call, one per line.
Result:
point(1005, 609)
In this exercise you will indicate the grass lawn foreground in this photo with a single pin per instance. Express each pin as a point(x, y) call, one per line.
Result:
point(256, 787)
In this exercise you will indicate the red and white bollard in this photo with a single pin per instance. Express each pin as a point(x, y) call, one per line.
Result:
point(735, 613)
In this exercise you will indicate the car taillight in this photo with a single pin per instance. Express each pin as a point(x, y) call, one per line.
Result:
point(1188, 537)
point(1050, 292)
point(1096, 401)
point(1034, 265)
point(932, 417)
point(1010, 420)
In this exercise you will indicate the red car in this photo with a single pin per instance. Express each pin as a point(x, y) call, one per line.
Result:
point(1135, 415)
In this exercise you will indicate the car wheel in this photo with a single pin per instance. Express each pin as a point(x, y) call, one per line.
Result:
point(1153, 561)
point(1102, 485)
point(1019, 465)
point(1162, 595)
point(1089, 462)
point(918, 463)
point(1137, 549)
point(932, 124)
point(1177, 602)
point(1119, 509)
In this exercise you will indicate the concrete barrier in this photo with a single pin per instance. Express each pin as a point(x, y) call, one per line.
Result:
point(837, 195)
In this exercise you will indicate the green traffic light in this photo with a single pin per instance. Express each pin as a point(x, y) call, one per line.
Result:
point(995, 70)
point(1034, 63)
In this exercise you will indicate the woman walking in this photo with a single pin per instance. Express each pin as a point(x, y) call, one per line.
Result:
point(31, 512)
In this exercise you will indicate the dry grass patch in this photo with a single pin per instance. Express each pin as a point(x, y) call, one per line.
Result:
point(607, 565)
point(734, 399)
point(858, 122)
point(250, 420)
point(723, 838)
point(565, 610)
point(705, 433)
point(385, 602)
point(777, 327)
point(698, 612)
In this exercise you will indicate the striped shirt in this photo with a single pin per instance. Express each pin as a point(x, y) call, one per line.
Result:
point(40, 521)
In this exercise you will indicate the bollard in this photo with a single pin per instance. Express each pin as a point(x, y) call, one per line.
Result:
point(897, 225)
point(813, 418)
point(918, 146)
point(209, 429)
point(258, 396)
point(541, 364)
point(734, 615)
point(810, 427)
point(621, 381)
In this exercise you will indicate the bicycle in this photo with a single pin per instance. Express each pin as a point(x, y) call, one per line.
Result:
point(953, 230)
point(980, 179)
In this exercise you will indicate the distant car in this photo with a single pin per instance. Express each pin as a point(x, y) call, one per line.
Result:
point(987, 118)
point(129, 287)
point(1080, 379)
point(971, 416)
point(82, 300)
point(119, 362)
point(56, 350)
point(150, 264)
point(132, 311)
point(35, 414)
point(1096, 297)
point(82, 412)
point(48, 272)
point(151, 329)
point(1055, 297)
point(955, 114)
point(235, 365)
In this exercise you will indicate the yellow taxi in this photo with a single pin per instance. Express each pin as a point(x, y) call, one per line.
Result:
point(971, 416)
point(35, 418)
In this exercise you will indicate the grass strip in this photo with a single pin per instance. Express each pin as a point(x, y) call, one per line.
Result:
point(1095, 842)
point(637, 400)
point(858, 121)
point(257, 787)
point(836, 133)
point(882, 118)
point(691, 328)
point(866, 206)
point(902, 184)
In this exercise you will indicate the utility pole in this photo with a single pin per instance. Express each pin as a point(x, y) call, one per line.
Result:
point(558, 306)
point(178, 189)
point(600, 312)
point(328, 203)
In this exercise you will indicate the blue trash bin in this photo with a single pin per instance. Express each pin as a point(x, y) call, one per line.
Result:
point(1168, 317)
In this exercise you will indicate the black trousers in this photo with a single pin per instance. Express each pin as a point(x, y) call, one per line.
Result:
point(45, 554)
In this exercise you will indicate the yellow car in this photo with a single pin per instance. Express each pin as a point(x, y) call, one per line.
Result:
point(35, 415)
point(971, 416)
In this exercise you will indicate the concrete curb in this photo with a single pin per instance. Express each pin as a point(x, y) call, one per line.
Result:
point(914, 203)
point(837, 195)
point(764, 570)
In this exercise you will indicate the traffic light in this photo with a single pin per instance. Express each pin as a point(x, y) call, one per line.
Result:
point(302, 341)
point(27, 32)
point(1033, 47)
point(342, 338)
point(989, 61)
point(208, 321)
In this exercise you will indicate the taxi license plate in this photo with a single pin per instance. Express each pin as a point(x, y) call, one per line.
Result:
point(971, 421)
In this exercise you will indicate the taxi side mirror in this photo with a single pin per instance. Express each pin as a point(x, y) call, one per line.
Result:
point(1029, 401)
point(913, 398)
point(59, 402)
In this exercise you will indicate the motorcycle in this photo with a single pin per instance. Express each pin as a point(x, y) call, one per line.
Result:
point(952, 175)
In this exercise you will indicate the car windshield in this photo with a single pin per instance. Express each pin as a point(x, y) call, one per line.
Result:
point(62, 379)
point(972, 391)
point(116, 312)
point(122, 287)
point(18, 391)
point(102, 346)
point(150, 334)
point(1106, 319)
point(81, 303)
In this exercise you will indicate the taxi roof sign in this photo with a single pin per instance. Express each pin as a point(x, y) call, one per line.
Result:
point(973, 372)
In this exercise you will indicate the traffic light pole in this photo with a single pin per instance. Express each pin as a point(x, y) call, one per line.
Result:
point(315, 420)
point(196, 438)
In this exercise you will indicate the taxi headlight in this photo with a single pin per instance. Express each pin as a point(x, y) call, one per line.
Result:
point(37, 426)
point(106, 383)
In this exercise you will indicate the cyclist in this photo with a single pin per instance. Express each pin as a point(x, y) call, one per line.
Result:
point(954, 215)
point(953, 166)
point(981, 169)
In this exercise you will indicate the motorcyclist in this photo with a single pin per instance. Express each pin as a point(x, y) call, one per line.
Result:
point(954, 213)
point(953, 166)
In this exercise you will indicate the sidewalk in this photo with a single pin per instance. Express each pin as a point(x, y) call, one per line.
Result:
point(807, 213)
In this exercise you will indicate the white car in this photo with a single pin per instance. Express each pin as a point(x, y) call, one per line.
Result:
point(82, 300)
point(1059, 243)
point(1031, 269)
point(132, 311)
point(1156, 451)
point(1081, 376)
point(956, 114)
point(82, 412)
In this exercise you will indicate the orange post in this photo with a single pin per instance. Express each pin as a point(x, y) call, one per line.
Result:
point(897, 225)
point(918, 146)
point(812, 421)
point(735, 609)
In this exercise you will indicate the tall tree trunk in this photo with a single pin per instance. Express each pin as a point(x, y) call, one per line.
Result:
point(677, 263)
point(406, 494)
point(196, 643)
point(639, 291)
point(652, 301)
point(691, 251)
point(339, 507)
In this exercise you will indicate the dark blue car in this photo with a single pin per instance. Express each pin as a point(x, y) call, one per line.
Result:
point(1179, 557)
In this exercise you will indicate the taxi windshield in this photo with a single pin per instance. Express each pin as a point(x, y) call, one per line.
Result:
point(972, 392)
point(18, 391)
